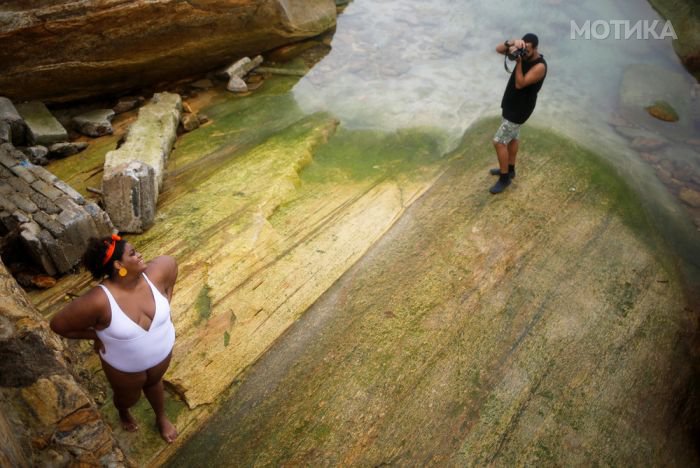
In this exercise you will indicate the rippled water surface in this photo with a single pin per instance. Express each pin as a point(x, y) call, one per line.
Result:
point(416, 63)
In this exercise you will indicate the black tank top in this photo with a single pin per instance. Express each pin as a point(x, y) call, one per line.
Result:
point(518, 104)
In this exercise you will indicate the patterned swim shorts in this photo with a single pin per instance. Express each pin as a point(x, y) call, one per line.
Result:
point(506, 132)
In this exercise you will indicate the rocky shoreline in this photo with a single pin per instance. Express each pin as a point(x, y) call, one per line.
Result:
point(47, 220)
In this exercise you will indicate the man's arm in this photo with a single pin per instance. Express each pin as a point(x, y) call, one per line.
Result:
point(534, 75)
point(510, 44)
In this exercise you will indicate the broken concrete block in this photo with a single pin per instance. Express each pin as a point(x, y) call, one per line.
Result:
point(243, 66)
point(61, 150)
point(70, 191)
point(29, 236)
point(130, 195)
point(47, 190)
point(37, 154)
point(9, 156)
point(10, 116)
point(237, 85)
point(23, 173)
point(126, 104)
point(48, 223)
point(102, 222)
point(95, 123)
point(56, 252)
point(134, 172)
point(42, 127)
point(23, 202)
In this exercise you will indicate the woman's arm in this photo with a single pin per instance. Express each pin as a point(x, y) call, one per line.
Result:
point(163, 272)
point(79, 319)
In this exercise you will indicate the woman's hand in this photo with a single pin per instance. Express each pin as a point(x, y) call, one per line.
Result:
point(98, 346)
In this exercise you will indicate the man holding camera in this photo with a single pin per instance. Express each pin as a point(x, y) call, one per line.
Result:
point(518, 102)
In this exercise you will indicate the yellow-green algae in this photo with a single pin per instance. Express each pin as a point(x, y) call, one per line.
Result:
point(537, 327)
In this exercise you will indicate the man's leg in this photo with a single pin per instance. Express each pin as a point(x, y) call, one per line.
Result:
point(512, 151)
point(504, 177)
point(503, 155)
point(512, 155)
point(506, 143)
point(501, 141)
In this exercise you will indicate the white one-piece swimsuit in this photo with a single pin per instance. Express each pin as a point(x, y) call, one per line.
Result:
point(130, 348)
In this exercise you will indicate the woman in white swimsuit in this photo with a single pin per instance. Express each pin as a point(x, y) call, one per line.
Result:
point(128, 317)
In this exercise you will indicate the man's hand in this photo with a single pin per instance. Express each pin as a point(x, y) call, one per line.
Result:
point(98, 346)
point(516, 44)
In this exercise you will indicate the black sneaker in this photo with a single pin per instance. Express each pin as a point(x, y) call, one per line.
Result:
point(497, 171)
point(499, 186)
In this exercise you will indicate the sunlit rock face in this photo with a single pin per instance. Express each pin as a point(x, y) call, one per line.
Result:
point(66, 50)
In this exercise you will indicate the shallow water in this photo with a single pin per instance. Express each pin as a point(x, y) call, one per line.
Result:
point(432, 64)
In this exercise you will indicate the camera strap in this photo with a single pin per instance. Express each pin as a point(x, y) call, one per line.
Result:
point(505, 63)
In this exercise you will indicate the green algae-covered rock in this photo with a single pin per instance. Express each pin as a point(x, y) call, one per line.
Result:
point(662, 110)
point(540, 327)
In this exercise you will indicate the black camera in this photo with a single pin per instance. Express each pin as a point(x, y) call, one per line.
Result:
point(522, 52)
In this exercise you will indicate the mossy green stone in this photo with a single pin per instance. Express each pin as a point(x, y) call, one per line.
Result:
point(662, 110)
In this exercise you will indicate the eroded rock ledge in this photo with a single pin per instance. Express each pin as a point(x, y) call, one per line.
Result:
point(67, 50)
point(46, 417)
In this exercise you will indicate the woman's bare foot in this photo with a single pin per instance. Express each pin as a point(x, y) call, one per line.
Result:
point(129, 424)
point(167, 430)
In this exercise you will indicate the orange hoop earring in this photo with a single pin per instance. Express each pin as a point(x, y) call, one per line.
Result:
point(122, 272)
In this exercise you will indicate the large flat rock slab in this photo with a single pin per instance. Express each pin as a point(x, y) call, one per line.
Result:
point(66, 50)
point(42, 127)
point(540, 327)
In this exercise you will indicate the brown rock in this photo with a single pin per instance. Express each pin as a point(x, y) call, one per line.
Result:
point(190, 122)
point(647, 144)
point(43, 281)
point(54, 398)
point(662, 110)
point(128, 103)
point(57, 51)
point(690, 197)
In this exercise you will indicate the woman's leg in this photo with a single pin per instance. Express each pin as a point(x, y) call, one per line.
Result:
point(127, 391)
point(153, 389)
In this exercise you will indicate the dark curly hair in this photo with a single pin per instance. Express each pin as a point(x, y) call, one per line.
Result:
point(94, 256)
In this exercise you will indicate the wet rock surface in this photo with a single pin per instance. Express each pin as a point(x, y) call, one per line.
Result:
point(538, 327)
